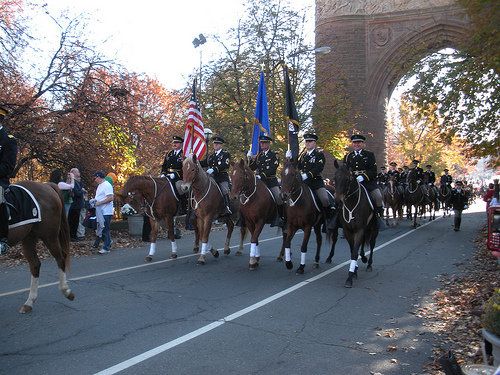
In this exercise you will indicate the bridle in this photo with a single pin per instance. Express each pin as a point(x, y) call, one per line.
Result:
point(292, 202)
point(347, 195)
point(147, 207)
point(195, 177)
point(241, 193)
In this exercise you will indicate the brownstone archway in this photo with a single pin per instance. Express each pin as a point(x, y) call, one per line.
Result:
point(374, 44)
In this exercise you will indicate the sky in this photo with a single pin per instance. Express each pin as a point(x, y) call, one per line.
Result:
point(152, 36)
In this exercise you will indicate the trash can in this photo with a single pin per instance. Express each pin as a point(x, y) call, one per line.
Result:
point(135, 223)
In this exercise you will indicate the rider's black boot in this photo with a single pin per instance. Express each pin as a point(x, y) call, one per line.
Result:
point(279, 220)
point(183, 203)
point(380, 218)
point(227, 210)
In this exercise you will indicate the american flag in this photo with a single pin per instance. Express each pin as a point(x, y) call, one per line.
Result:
point(194, 135)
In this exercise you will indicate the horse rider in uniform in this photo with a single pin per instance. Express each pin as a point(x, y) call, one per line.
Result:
point(446, 179)
point(430, 175)
point(311, 163)
point(382, 176)
point(362, 163)
point(172, 169)
point(8, 158)
point(265, 164)
point(218, 166)
point(393, 172)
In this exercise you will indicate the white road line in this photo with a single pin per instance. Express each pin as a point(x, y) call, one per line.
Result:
point(209, 327)
point(129, 268)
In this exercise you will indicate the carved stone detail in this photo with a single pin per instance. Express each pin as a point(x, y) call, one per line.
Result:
point(381, 35)
point(335, 8)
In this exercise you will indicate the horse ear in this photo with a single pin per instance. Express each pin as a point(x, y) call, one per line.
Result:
point(336, 164)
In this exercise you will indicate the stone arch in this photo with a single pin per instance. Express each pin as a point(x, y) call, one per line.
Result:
point(409, 50)
point(373, 45)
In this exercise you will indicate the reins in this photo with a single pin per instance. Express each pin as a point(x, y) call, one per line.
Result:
point(242, 194)
point(344, 207)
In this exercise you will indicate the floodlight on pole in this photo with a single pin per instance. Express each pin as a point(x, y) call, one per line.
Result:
point(323, 50)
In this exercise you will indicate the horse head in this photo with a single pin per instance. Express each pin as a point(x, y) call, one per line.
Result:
point(191, 169)
point(343, 179)
point(134, 192)
point(240, 178)
point(290, 179)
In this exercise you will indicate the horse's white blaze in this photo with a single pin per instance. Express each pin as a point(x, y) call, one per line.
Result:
point(152, 248)
point(174, 246)
point(287, 171)
point(353, 265)
point(302, 258)
point(288, 256)
point(33, 292)
point(252, 249)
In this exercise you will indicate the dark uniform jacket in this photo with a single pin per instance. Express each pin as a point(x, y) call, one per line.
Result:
point(403, 176)
point(395, 174)
point(458, 199)
point(8, 157)
point(431, 177)
point(363, 164)
point(419, 173)
point(173, 164)
point(312, 165)
point(265, 166)
point(220, 164)
point(446, 179)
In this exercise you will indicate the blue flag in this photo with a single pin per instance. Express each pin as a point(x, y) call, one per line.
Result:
point(261, 119)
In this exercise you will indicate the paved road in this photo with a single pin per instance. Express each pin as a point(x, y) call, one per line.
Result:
point(174, 317)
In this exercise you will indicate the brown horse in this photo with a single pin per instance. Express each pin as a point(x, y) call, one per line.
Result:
point(154, 197)
point(393, 199)
point(444, 198)
point(302, 213)
point(208, 205)
point(53, 230)
point(257, 205)
point(357, 216)
point(415, 196)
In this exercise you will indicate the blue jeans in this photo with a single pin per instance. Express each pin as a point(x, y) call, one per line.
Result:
point(106, 234)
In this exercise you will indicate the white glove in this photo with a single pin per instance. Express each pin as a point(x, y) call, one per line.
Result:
point(258, 176)
point(360, 179)
point(210, 170)
point(162, 175)
point(171, 176)
point(288, 154)
point(249, 153)
point(304, 176)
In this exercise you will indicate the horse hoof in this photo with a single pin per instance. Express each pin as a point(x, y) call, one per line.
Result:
point(348, 284)
point(25, 309)
point(238, 253)
point(279, 259)
point(70, 296)
point(227, 251)
point(369, 268)
point(289, 265)
point(196, 250)
point(253, 264)
point(173, 256)
point(201, 260)
point(300, 270)
point(214, 252)
point(148, 259)
point(364, 259)
point(328, 260)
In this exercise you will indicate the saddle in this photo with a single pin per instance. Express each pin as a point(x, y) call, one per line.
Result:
point(22, 206)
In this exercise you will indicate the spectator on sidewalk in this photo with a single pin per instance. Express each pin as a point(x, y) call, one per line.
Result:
point(459, 202)
point(104, 208)
point(56, 176)
point(488, 196)
point(76, 206)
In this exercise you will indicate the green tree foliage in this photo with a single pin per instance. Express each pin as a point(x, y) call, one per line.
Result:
point(269, 34)
point(463, 87)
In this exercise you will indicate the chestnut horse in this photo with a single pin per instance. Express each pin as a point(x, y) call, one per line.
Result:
point(53, 230)
point(208, 205)
point(302, 213)
point(154, 197)
point(257, 205)
point(357, 216)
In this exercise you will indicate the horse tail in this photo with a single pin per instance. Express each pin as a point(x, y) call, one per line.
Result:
point(63, 229)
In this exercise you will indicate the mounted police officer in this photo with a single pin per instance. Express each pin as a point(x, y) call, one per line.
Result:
point(172, 169)
point(363, 164)
point(218, 166)
point(265, 164)
point(429, 175)
point(311, 163)
point(419, 174)
point(382, 176)
point(393, 172)
point(446, 179)
point(8, 158)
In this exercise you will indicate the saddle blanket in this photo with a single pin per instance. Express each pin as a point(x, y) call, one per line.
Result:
point(22, 206)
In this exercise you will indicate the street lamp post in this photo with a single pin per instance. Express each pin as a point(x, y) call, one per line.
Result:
point(208, 136)
point(197, 42)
